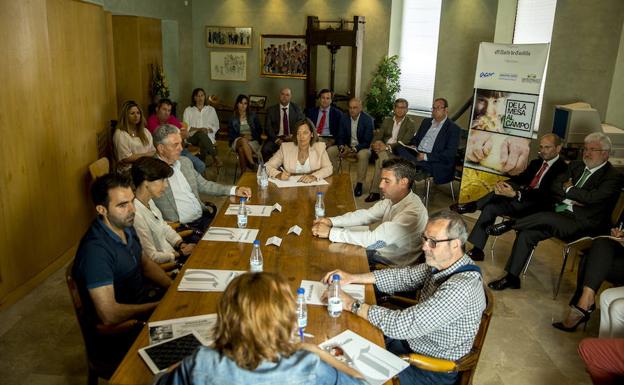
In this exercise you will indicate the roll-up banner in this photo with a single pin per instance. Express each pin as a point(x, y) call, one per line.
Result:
point(502, 125)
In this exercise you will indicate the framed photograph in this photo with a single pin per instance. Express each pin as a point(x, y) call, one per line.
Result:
point(283, 56)
point(228, 65)
point(228, 37)
point(257, 101)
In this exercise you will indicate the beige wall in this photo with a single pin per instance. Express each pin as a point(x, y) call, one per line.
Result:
point(286, 17)
point(58, 91)
point(615, 109)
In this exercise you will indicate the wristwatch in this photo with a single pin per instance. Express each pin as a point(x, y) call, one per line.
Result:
point(355, 306)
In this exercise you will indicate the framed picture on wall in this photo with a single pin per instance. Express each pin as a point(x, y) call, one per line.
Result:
point(283, 56)
point(228, 65)
point(228, 37)
point(257, 101)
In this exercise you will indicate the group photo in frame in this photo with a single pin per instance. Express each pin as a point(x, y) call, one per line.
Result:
point(283, 56)
point(228, 37)
point(228, 65)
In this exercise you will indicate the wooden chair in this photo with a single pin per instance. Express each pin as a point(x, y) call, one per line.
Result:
point(467, 364)
point(99, 168)
point(98, 367)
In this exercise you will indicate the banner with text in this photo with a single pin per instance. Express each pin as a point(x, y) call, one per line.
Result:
point(502, 125)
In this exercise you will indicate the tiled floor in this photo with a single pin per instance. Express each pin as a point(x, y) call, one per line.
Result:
point(40, 342)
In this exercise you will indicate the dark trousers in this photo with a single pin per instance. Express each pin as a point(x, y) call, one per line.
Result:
point(536, 227)
point(603, 262)
point(268, 149)
point(206, 147)
point(424, 168)
point(199, 227)
point(492, 206)
point(413, 375)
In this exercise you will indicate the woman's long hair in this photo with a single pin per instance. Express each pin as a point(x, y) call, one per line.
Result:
point(239, 99)
point(124, 122)
point(256, 318)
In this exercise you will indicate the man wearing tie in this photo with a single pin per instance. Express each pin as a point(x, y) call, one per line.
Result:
point(326, 117)
point(280, 118)
point(590, 190)
point(526, 193)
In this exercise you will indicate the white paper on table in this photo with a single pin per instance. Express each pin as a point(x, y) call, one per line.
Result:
point(172, 328)
point(277, 241)
point(314, 290)
point(293, 182)
point(230, 234)
point(252, 210)
point(207, 280)
point(377, 365)
point(277, 207)
point(295, 229)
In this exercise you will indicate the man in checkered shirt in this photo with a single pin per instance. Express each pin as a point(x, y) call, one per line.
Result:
point(446, 319)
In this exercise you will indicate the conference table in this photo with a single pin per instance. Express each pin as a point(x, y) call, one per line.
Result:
point(298, 258)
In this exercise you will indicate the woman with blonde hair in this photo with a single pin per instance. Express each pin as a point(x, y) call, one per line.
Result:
point(305, 156)
point(255, 343)
point(131, 139)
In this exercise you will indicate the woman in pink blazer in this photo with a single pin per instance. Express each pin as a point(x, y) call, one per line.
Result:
point(305, 156)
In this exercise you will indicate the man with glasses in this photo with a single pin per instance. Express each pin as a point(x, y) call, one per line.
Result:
point(590, 189)
point(446, 319)
point(434, 146)
point(396, 241)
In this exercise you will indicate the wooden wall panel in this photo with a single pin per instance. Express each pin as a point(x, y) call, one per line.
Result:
point(57, 88)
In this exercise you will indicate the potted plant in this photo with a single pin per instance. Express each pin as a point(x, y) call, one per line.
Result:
point(159, 84)
point(384, 87)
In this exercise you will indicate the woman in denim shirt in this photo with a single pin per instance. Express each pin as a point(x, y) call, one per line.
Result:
point(254, 344)
point(244, 130)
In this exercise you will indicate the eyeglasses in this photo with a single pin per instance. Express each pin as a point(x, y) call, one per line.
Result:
point(432, 243)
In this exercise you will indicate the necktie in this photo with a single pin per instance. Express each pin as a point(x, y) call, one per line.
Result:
point(321, 124)
point(285, 122)
point(563, 206)
point(537, 176)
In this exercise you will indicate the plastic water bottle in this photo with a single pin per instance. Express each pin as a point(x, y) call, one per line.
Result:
point(263, 179)
point(256, 261)
point(302, 311)
point(334, 302)
point(319, 206)
point(242, 214)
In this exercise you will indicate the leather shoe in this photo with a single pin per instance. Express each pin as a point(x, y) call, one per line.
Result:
point(499, 228)
point(358, 190)
point(476, 254)
point(507, 282)
point(372, 197)
point(465, 208)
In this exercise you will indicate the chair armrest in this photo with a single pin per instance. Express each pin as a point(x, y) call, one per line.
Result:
point(174, 225)
point(429, 363)
point(119, 328)
point(167, 266)
point(185, 233)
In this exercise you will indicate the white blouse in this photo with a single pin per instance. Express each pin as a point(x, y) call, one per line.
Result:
point(206, 118)
point(157, 237)
point(303, 168)
point(126, 145)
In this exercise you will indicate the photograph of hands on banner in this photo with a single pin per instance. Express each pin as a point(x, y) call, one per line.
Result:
point(505, 112)
point(497, 153)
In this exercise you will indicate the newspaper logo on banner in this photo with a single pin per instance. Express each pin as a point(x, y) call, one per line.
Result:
point(518, 115)
point(531, 78)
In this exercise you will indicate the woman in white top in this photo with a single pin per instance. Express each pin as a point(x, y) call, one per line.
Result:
point(304, 156)
point(131, 139)
point(159, 241)
point(203, 125)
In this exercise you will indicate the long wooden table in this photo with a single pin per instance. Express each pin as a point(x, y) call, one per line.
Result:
point(299, 257)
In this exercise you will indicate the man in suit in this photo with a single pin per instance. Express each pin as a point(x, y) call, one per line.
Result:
point(397, 128)
point(181, 202)
point(326, 118)
point(281, 118)
point(434, 146)
point(590, 189)
point(355, 135)
point(529, 192)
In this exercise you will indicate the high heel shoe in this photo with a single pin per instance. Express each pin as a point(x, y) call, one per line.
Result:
point(582, 314)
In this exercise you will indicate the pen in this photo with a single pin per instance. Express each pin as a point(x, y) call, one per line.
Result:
point(620, 226)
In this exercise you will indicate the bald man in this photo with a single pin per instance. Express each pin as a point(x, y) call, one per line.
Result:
point(280, 119)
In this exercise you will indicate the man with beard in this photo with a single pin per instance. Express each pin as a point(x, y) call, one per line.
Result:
point(116, 281)
point(446, 319)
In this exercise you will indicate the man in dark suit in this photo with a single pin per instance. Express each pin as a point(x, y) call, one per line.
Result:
point(326, 118)
point(434, 146)
point(590, 190)
point(280, 118)
point(355, 135)
point(529, 192)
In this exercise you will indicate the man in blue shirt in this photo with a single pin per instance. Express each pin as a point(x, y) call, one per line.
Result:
point(110, 269)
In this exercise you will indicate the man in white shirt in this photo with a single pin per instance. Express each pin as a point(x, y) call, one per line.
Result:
point(181, 202)
point(397, 240)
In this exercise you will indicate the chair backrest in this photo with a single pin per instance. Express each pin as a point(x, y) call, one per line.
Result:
point(617, 211)
point(99, 167)
point(468, 364)
point(74, 293)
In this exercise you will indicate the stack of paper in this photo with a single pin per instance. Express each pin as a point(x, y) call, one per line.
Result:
point(293, 181)
point(254, 210)
point(314, 290)
point(230, 234)
point(207, 280)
